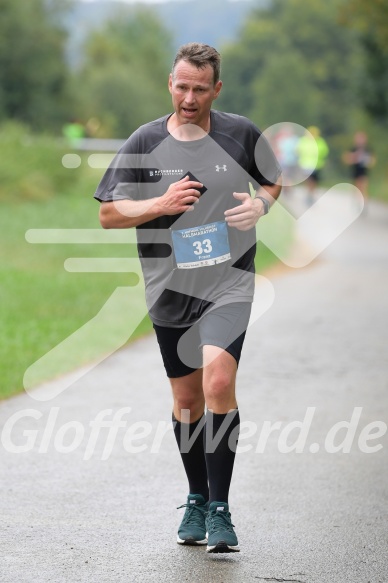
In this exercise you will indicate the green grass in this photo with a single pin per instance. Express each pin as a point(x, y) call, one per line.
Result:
point(276, 229)
point(30, 166)
point(42, 303)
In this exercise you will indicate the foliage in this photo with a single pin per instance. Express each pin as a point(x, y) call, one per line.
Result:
point(272, 106)
point(33, 72)
point(369, 18)
point(370, 21)
point(123, 80)
point(293, 62)
point(31, 165)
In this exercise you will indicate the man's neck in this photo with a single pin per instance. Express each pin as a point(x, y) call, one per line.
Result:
point(186, 132)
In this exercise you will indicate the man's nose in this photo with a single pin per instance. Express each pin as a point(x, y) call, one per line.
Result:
point(190, 96)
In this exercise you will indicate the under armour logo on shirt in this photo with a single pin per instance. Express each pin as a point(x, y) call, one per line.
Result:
point(224, 168)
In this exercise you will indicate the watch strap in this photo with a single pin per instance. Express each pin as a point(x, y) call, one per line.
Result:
point(265, 204)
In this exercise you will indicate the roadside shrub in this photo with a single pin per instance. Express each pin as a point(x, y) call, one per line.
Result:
point(30, 165)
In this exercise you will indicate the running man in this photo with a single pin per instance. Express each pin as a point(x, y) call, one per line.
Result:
point(184, 182)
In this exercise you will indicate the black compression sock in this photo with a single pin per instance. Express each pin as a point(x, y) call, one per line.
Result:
point(192, 454)
point(221, 436)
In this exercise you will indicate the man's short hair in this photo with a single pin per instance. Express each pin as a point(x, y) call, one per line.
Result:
point(199, 55)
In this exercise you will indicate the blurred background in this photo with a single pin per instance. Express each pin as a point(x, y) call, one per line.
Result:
point(97, 69)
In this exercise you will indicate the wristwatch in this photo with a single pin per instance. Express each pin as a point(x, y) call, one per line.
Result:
point(265, 204)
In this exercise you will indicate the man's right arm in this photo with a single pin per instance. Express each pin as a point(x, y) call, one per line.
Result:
point(124, 214)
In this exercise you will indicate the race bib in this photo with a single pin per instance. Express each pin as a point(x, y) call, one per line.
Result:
point(201, 246)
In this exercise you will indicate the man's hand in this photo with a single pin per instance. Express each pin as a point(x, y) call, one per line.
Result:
point(124, 214)
point(245, 216)
point(179, 197)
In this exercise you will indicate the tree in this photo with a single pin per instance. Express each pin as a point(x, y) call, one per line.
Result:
point(370, 21)
point(293, 62)
point(272, 104)
point(368, 18)
point(33, 71)
point(123, 80)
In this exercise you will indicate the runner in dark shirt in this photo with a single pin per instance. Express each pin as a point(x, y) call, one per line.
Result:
point(360, 159)
point(184, 182)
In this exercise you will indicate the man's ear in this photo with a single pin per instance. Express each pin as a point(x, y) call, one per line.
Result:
point(217, 89)
point(170, 83)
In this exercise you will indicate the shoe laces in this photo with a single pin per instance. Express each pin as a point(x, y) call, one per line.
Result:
point(194, 513)
point(220, 521)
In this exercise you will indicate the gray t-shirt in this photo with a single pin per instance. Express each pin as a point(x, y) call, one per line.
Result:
point(193, 262)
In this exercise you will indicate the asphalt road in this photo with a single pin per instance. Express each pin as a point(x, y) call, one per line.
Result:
point(309, 493)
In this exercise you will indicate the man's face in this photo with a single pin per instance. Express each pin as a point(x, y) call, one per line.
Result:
point(193, 92)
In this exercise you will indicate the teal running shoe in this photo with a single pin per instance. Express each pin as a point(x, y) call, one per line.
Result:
point(220, 534)
point(192, 530)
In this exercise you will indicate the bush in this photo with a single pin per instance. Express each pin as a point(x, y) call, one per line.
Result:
point(31, 166)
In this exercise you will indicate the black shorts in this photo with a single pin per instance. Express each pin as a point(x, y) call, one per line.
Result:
point(225, 327)
point(359, 171)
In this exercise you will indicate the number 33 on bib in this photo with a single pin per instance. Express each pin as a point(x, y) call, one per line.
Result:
point(201, 246)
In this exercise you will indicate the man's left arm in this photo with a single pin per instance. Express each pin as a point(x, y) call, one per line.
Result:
point(245, 216)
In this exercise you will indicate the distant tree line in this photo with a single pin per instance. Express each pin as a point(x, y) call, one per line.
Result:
point(315, 62)
point(321, 63)
point(120, 84)
point(33, 71)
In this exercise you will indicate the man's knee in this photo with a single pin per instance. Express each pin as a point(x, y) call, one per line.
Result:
point(219, 384)
point(188, 395)
point(195, 406)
